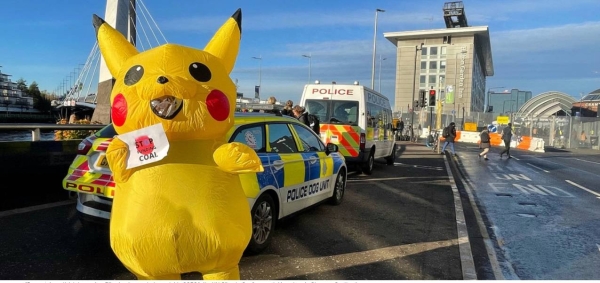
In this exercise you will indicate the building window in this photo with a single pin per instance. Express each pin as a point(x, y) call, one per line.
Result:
point(442, 66)
point(432, 79)
point(423, 65)
point(443, 52)
point(447, 39)
point(424, 51)
point(433, 52)
point(423, 81)
point(433, 66)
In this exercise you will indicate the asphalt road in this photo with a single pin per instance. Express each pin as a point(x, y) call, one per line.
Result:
point(542, 210)
point(398, 223)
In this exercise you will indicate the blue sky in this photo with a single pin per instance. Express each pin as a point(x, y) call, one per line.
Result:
point(537, 45)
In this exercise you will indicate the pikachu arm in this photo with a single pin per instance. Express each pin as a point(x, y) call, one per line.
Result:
point(237, 158)
point(116, 154)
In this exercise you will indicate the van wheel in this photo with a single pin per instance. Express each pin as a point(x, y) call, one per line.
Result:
point(263, 223)
point(390, 159)
point(339, 189)
point(367, 167)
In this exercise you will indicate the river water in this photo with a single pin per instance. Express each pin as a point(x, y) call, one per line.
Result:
point(24, 136)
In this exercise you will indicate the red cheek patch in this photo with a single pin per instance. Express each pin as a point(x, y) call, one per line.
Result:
point(218, 105)
point(119, 110)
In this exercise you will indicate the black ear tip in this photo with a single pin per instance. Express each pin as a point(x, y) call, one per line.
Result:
point(237, 16)
point(97, 21)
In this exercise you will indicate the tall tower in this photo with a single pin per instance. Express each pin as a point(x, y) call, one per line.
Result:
point(121, 15)
point(454, 15)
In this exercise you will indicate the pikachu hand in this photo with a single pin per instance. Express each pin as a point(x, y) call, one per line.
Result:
point(116, 154)
point(237, 158)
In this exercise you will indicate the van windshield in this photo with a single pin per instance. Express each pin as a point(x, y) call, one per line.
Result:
point(334, 111)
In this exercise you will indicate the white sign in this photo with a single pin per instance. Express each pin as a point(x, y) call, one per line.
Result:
point(461, 77)
point(146, 145)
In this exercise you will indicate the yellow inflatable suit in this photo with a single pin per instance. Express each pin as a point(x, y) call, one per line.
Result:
point(186, 212)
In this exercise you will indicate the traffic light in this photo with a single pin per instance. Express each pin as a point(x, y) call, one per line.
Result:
point(432, 97)
point(422, 98)
point(416, 105)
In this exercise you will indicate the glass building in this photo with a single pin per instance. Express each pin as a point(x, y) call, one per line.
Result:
point(508, 101)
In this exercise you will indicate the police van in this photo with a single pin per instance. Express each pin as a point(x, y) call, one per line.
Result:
point(356, 118)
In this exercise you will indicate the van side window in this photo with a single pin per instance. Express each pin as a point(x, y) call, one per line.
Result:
point(281, 139)
point(252, 137)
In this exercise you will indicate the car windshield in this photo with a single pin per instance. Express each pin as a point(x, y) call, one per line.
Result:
point(106, 132)
point(334, 111)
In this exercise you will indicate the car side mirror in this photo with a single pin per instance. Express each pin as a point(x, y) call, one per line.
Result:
point(331, 147)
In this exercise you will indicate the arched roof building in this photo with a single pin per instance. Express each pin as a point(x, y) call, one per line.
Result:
point(547, 104)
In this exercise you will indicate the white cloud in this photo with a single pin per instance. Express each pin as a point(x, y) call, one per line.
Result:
point(566, 37)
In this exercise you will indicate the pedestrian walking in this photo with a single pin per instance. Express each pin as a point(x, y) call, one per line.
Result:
point(400, 126)
point(507, 134)
point(449, 134)
point(484, 143)
point(582, 139)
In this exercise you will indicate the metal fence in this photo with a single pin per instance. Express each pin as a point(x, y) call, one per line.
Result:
point(559, 132)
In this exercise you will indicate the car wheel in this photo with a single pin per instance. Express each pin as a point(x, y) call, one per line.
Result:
point(263, 223)
point(340, 188)
point(390, 159)
point(367, 167)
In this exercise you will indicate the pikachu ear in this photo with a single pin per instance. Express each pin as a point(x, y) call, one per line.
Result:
point(225, 44)
point(113, 45)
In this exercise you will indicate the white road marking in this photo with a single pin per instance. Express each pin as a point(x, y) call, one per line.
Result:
point(295, 266)
point(583, 188)
point(34, 208)
point(464, 247)
point(598, 247)
point(418, 166)
point(394, 178)
point(563, 166)
point(515, 158)
point(538, 168)
point(585, 160)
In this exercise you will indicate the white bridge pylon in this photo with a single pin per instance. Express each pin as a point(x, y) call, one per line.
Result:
point(123, 16)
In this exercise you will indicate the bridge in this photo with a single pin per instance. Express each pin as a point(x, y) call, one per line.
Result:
point(87, 94)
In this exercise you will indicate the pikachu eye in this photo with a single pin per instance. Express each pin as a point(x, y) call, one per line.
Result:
point(200, 72)
point(134, 75)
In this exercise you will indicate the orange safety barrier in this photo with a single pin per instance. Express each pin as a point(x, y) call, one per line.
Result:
point(525, 143)
point(457, 138)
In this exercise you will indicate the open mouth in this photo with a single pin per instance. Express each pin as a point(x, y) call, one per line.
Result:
point(166, 107)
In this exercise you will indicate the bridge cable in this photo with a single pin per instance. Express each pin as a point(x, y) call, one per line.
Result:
point(155, 24)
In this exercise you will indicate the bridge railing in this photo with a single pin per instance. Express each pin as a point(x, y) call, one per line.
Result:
point(36, 128)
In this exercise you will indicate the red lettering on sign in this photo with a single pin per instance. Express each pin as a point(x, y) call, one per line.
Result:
point(333, 91)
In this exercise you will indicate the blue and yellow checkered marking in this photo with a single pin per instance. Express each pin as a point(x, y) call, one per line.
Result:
point(311, 171)
point(296, 165)
point(338, 161)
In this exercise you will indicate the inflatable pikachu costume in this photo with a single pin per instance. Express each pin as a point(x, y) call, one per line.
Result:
point(186, 212)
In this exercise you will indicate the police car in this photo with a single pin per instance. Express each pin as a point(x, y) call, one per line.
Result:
point(299, 171)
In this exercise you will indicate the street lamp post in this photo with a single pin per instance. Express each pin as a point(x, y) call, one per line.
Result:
point(504, 104)
point(309, 56)
point(374, 49)
point(412, 115)
point(487, 99)
point(380, 63)
point(259, 58)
